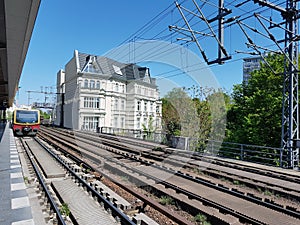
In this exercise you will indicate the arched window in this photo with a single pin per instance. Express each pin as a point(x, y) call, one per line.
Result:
point(117, 87)
point(92, 84)
point(86, 83)
point(98, 84)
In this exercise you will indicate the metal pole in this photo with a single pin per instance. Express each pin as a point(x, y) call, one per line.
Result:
point(290, 121)
point(221, 29)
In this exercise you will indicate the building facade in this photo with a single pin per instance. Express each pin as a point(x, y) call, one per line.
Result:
point(249, 65)
point(98, 92)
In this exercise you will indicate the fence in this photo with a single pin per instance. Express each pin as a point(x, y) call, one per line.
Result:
point(251, 153)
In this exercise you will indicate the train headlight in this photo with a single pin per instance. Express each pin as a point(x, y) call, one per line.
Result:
point(26, 129)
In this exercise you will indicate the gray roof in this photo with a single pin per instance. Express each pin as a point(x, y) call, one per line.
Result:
point(117, 70)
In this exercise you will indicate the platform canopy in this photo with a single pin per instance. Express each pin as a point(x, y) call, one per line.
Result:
point(17, 19)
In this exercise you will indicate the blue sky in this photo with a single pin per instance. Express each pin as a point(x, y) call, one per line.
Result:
point(96, 27)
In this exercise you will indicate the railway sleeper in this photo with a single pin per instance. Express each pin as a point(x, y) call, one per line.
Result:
point(116, 199)
point(142, 219)
point(215, 216)
point(254, 184)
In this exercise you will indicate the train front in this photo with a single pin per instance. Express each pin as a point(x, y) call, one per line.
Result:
point(26, 122)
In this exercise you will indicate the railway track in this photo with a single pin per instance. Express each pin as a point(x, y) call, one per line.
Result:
point(261, 207)
point(266, 180)
point(56, 216)
point(68, 189)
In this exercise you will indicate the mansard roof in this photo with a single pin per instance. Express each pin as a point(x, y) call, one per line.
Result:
point(89, 63)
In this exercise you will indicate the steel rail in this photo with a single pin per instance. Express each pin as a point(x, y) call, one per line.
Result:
point(59, 217)
point(116, 213)
point(211, 185)
point(199, 198)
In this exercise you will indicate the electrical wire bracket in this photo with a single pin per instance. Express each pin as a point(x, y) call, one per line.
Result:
point(192, 35)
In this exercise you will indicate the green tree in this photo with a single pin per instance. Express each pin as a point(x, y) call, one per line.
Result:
point(201, 117)
point(255, 116)
point(149, 129)
point(45, 115)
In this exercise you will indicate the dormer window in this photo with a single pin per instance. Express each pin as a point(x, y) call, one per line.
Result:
point(90, 66)
point(117, 70)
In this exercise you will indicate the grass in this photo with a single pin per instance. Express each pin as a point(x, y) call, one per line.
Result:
point(236, 182)
point(166, 200)
point(64, 209)
point(202, 219)
point(268, 193)
point(26, 180)
point(124, 178)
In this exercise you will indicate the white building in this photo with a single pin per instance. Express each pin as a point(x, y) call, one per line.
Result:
point(99, 92)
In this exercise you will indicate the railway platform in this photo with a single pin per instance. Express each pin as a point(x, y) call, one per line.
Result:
point(14, 200)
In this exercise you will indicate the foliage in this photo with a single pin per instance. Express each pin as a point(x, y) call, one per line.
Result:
point(255, 116)
point(150, 129)
point(170, 111)
point(9, 115)
point(202, 219)
point(45, 115)
point(166, 200)
point(200, 117)
point(64, 209)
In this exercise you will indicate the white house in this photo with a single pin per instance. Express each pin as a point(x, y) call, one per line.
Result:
point(95, 91)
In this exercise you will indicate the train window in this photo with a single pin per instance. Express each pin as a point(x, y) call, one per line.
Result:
point(23, 116)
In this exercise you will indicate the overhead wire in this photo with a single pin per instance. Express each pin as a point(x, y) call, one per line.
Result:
point(263, 10)
point(146, 28)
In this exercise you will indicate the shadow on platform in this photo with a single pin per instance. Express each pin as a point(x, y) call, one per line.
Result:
point(2, 129)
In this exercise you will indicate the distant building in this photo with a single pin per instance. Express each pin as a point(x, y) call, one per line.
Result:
point(98, 92)
point(249, 65)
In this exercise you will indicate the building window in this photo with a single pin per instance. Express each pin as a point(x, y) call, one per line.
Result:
point(116, 87)
point(139, 106)
point(98, 84)
point(116, 122)
point(157, 109)
point(85, 102)
point(92, 84)
point(91, 103)
point(145, 106)
point(151, 106)
point(122, 104)
point(97, 103)
point(138, 123)
point(122, 122)
point(123, 88)
point(90, 123)
point(116, 106)
point(86, 83)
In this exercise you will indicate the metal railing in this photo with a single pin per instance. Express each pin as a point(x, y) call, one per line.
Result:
point(252, 153)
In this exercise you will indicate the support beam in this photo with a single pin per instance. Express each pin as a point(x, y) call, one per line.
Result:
point(191, 34)
point(290, 101)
